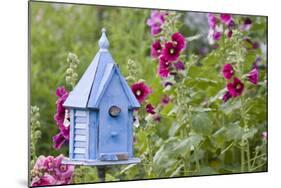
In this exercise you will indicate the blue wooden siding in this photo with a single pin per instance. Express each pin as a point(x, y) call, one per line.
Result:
point(80, 134)
point(130, 133)
point(93, 134)
point(113, 131)
point(71, 133)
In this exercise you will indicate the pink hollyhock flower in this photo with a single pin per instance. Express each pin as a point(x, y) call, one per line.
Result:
point(63, 172)
point(253, 76)
point(226, 96)
point(50, 171)
point(44, 180)
point(141, 91)
point(212, 20)
point(179, 65)
point(227, 71)
point(165, 100)
point(170, 52)
point(179, 41)
point(226, 18)
point(150, 109)
point(40, 163)
point(235, 88)
point(163, 67)
point(156, 21)
point(49, 164)
point(156, 49)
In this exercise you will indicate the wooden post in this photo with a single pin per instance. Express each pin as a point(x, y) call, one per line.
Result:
point(101, 173)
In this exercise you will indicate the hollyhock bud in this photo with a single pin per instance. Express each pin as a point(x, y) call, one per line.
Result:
point(226, 96)
point(227, 71)
point(253, 76)
point(179, 65)
point(150, 109)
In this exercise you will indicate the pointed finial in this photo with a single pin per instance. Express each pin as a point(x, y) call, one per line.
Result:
point(103, 42)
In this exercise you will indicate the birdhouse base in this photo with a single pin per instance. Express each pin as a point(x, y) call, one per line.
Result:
point(100, 163)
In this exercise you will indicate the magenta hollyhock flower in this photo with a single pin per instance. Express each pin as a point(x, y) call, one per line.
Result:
point(235, 88)
point(227, 71)
point(63, 172)
point(225, 18)
point(150, 109)
point(231, 25)
point(44, 180)
point(226, 96)
point(253, 76)
point(141, 91)
point(163, 69)
point(165, 100)
point(216, 35)
point(170, 52)
point(179, 65)
point(156, 21)
point(179, 41)
point(212, 20)
point(156, 49)
point(58, 140)
point(256, 45)
point(60, 117)
point(62, 94)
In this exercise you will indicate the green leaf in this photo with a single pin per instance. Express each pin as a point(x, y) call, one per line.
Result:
point(250, 133)
point(174, 129)
point(202, 124)
point(188, 144)
point(235, 132)
point(230, 106)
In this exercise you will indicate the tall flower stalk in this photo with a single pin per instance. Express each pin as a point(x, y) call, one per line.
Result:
point(35, 133)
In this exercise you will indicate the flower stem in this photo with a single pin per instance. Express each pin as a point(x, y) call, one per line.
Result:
point(242, 159)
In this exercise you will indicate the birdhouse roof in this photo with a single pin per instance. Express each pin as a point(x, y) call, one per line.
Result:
point(93, 83)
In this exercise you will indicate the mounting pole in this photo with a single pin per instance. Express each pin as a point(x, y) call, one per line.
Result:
point(101, 173)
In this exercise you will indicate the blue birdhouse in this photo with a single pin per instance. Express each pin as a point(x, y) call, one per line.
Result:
point(101, 114)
